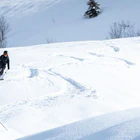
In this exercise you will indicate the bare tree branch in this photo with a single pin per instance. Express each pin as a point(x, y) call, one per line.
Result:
point(4, 29)
point(122, 30)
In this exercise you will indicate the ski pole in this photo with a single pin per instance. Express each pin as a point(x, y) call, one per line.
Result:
point(3, 126)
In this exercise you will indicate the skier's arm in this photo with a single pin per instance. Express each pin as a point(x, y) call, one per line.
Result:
point(0, 58)
point(8, 63)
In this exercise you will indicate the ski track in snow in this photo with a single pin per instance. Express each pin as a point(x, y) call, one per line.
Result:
point(20, 7)
point(75, 58)
point(116, 49)
point(121, 59)
point(71, 81)
point(87, 92)
point(48, 100)
point(34, 73)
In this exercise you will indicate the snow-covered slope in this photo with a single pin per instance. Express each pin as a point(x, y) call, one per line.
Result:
point(53, 85)
point(42, 21)
point(116, 126)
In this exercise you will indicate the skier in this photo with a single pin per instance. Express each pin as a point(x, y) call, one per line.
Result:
point(4, 60)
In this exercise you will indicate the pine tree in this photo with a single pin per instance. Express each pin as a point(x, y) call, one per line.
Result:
point(93, 9)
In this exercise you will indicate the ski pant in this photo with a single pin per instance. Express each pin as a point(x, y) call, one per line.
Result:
point(1, 70)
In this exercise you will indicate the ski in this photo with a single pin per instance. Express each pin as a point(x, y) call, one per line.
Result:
point(2, 77)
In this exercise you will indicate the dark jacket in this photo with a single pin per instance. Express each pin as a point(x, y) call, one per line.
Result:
point(3, 61)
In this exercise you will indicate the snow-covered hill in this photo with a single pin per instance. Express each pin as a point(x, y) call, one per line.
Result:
point(57, 84)
point(41, 21)
point(49, 86)
point(123, 125)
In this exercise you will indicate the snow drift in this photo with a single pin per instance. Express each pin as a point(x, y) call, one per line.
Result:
point(115, 126)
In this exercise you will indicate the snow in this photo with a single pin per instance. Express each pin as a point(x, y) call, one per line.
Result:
point(45, 21)
point(78, 89)
point(115, 126)
point(62, 83)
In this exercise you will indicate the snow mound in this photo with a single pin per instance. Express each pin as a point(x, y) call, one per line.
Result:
point(116, 126)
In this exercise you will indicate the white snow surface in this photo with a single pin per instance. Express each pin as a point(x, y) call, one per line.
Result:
point(49, 86)
point(36, 22)
point(123, 125)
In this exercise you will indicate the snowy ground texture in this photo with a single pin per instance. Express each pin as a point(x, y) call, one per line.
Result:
point(53, 85)
point(36, 22)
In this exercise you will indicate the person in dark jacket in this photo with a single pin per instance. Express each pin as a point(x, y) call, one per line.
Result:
point(4, 60)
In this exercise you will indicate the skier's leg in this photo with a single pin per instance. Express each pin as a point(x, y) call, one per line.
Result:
point(1, 71)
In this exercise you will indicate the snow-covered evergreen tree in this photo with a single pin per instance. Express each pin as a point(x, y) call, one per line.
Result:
point(93, 9)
